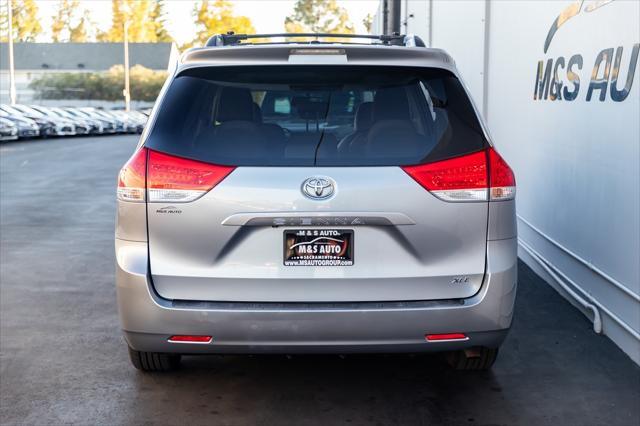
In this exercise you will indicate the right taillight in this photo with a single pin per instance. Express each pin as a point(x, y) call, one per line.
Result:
point(479, 176)
point(168, 178)
point(502, 181)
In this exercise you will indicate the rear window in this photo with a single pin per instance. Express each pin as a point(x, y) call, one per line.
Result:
point(320, 115)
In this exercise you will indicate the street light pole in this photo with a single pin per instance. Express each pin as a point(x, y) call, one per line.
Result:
point(12, 73)
point(127, 94)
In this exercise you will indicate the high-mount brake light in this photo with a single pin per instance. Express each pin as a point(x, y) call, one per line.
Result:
point(131, 180)
point(478, 176)
point(179, 180)
point(166, 178)
point(324, 51)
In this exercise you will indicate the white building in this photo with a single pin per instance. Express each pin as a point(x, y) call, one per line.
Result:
point(559, 85)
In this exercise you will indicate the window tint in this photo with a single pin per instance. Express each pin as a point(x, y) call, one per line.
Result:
point(305, 116)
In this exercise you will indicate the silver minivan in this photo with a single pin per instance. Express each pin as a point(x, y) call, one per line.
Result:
point(315, 197)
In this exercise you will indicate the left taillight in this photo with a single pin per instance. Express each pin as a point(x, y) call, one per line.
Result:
point(180, 180)
point(131, 180)
point(167, 178)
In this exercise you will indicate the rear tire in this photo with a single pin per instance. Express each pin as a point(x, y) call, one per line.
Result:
point(154, 361)
point(472, 359)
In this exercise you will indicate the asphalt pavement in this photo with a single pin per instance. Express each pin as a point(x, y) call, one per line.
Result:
point(63, 359)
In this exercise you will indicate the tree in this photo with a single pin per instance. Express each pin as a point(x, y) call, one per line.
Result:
point(80, 33)
point(318, 16)
point(158, 18)
point(26, 26)
point(60, 20)
point(367, 21)
point(217, 17)
point(68, 26)
point(145, 19)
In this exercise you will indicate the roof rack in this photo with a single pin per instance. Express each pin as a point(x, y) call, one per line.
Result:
point(233, 39)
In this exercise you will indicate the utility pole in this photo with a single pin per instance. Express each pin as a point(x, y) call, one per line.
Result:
point(395, 7)
point(12, 73)
point(127, 94)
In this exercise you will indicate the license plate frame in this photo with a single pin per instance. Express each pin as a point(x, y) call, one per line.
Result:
point(318, 247)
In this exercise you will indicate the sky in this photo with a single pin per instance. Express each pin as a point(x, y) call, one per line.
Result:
point(267, 15)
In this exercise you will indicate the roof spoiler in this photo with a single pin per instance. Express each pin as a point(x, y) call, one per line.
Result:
point(233, 39)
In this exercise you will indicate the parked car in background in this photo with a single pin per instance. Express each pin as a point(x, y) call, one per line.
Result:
point(94, 112)
point(61, 126)
point(140, 119)
point(94, 126)
point(43, 121)
point(8, 130)
point(27, 128)
point(119, 119)
point(132, 124)
point(108, 125)
point(81, 126)
point(140, 115)
point(46, 126)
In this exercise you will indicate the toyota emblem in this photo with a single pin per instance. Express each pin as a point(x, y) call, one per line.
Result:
point(318, 188)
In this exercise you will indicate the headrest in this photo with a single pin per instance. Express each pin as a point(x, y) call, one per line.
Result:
point(391, 104)
point(235, 104)
point(364, 116)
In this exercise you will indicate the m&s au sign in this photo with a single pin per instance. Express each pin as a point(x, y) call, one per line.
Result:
point(606, 81)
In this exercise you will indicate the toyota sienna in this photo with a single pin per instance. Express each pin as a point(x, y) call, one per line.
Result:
point(315, 197)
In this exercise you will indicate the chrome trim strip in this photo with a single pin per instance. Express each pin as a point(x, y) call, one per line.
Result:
point(318, 219)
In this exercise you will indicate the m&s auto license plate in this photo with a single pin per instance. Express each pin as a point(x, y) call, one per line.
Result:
point(318, 247)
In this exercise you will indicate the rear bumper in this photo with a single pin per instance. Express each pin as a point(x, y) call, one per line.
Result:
point(148, 320)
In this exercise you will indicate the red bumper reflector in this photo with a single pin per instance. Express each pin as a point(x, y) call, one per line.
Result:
point(447, 336)
point(191, 339)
